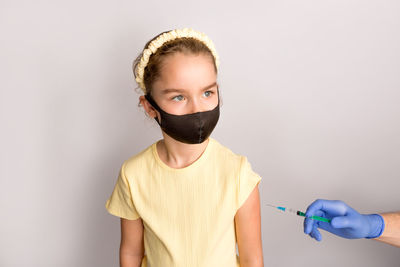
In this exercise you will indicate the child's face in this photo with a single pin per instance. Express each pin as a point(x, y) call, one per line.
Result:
point(194, 78)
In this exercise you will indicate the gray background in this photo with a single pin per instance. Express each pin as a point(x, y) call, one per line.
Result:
point(310, 95)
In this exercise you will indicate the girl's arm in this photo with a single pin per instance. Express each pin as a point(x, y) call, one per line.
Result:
point(132, 247)
point(248, 231)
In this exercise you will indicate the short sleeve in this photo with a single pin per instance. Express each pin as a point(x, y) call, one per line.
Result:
point(248, 180)
point(120, 202)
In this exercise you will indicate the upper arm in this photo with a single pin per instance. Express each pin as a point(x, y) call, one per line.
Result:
point(132, 242)
point(248, 229)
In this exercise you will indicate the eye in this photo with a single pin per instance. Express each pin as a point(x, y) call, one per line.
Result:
point(209, 93)
point(176, 97)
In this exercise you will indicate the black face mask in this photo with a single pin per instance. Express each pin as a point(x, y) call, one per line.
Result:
point(191, 128)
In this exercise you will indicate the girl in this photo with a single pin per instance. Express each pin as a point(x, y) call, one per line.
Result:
point(185, 200)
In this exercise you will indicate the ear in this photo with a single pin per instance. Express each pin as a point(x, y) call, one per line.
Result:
point(152, 112)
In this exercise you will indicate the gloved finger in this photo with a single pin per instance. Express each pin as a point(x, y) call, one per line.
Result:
point(315, 233)
point(341, 222)
point(320, 213)
point(308, 225)
point(332, 207)
point(326, 226)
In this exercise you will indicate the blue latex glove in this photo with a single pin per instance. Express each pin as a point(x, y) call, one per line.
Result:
point(345, 221)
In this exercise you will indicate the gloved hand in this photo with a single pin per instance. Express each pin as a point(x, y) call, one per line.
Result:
point(345, 221)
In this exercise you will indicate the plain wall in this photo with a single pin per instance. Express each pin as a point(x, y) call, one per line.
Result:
point(310, 92)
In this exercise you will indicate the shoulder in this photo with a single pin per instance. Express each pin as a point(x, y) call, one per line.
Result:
point(225, 155)
point(139, 161)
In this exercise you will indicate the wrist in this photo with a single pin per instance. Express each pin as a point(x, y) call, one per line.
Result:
point(377, 225)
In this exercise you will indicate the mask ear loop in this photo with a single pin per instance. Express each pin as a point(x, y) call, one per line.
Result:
point(218, 94)
point(154, 104)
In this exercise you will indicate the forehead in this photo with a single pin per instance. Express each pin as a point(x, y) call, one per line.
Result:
point(186, 71)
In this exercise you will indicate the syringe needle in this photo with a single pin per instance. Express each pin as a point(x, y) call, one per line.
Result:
point(300, 213)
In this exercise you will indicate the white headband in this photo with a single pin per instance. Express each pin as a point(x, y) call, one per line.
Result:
point(168, 36)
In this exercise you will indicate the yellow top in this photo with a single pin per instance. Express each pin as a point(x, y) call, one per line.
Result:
point(187, 213)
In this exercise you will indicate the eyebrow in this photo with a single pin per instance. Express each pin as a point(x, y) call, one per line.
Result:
point(171, 90)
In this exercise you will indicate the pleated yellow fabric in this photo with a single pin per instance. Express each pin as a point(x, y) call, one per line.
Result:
point(188, 213)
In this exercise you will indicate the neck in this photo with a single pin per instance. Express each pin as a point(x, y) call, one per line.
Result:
point(177, 154)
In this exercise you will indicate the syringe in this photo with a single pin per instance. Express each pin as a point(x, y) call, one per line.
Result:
point(300, 213)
